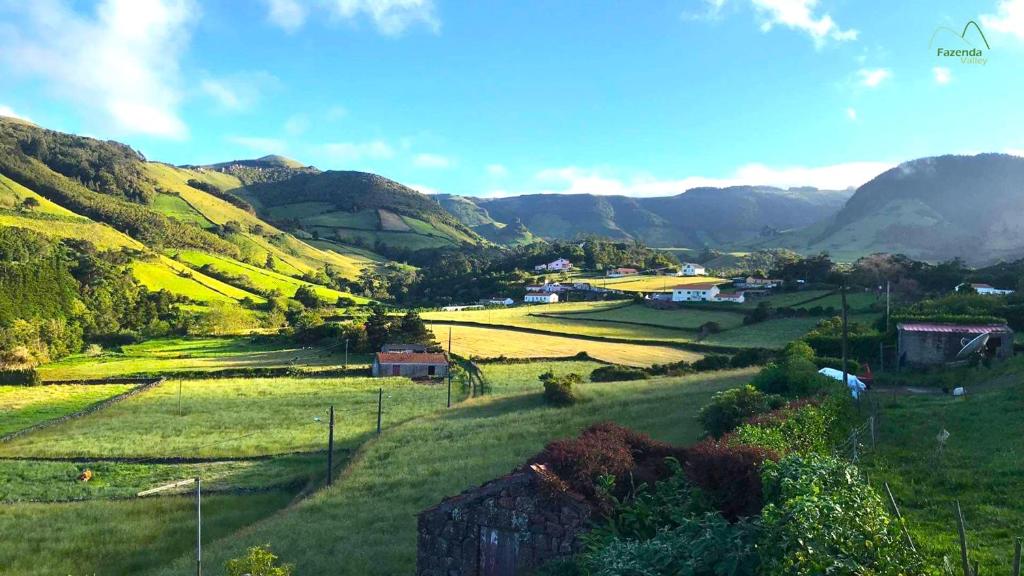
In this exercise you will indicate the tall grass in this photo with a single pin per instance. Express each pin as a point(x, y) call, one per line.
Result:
point(23, 406)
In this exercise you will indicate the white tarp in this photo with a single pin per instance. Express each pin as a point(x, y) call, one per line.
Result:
point(855, 384)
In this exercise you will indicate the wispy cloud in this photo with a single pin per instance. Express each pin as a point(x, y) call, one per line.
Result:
point(289, 15)
point(336, 113)
point(851, 113)
point(942, 75)
point(358, 151)
point(239, 92)
point(497, 170)
point(424, 189)
point(10, 113)
point(431, 161)
point(263, 146)
point(576, 180)
point(711, 10)
point(296, 124)
point(120, 63)
point(389, 17)
point(1008, 19)
point(873, 77)
point(800, 15)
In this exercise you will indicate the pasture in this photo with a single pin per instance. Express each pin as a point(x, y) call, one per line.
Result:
point(176, 278)
point(485, 342)
point(366, 523)
point(232, 418)
point(24, 406)
point(774, 333)
point(680, 318)
point(175, 355)
point(647, 283)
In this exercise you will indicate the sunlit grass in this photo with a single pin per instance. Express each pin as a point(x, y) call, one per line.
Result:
point(24, 406)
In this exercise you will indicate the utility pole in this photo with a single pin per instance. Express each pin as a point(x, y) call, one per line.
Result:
point(380, 407)
point(846, 374)
point(199, 527)
point(449, 366)
point(346, 353)
point(887, 305)
point(330, 446)
point(179, 397)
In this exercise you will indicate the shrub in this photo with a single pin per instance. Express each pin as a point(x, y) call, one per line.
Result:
point(617, 374)
point(711, 362)
point(259, 561)
point(558, 390)
point(20, 377)
point(852, 366)
point(729, 408)
point(804, 427)
point(798, 349)
point(93, 350)
point(791, 376)
point(750, 357)
point(822, 518)
point(729, 474)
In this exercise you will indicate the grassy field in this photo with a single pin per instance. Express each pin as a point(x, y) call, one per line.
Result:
point(172, 205)
point(980, 465)
point(770, 334)
point(232, 418)
point(365, 524)
point(120, 537)
point(645, 283)
point(493, 342)
point(171, 355)
point(24, 406)
point(166, 274)
point(505, 378)
point(683, 318)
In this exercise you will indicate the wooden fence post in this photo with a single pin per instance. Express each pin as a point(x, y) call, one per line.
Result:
point(899, 516)
point(963, 541)
point(1016, 557)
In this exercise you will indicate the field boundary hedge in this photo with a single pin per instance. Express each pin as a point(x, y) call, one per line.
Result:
point(144, 384)
point(268, 372)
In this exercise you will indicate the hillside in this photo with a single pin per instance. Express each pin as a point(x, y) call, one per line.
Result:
point(357, 208)
point(697, 217)
point(932, 209)
point(111, 197)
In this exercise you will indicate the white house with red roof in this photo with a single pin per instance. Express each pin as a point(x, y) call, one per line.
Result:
point(540, 298)
point(697, 292)
point(559, 265)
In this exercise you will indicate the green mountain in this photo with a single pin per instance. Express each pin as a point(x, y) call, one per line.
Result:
point(698, 217)
point(932, 209)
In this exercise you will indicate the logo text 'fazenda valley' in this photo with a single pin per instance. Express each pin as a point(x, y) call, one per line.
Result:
point(962, 47)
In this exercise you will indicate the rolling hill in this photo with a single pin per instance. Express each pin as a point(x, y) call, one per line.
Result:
point(697, 217)
point(933, 209)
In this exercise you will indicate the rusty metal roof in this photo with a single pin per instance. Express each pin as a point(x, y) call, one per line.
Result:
point(410, 358)
point(953, 328)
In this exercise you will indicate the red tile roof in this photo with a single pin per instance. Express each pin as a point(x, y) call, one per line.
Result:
point(953, 328)
point(410, 358)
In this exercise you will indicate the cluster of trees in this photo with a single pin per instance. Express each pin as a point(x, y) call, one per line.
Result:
point(369, 334)
point(56, 298)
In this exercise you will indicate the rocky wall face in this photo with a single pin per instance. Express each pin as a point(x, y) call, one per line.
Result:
point(506, 528)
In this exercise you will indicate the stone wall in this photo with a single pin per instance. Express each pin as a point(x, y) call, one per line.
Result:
point(504, 528)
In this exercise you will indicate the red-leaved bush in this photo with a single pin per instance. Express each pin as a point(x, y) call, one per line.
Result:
point(730, 475)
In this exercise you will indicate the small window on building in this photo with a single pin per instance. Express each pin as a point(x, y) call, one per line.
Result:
point(431, 370)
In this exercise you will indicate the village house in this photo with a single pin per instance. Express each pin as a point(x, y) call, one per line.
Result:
point(497, 301)
point(985, 289)
point(705, 291)
point(410, 364)
point(691, 269)
point(541, 298)
point(620, 272)
point(757, 283)
point(922, 344)
point(460, 308)
point(559, 265)
point(549, 287)
point(733, 297)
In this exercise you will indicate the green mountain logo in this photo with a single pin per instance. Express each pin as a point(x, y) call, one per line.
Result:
point(968, 48)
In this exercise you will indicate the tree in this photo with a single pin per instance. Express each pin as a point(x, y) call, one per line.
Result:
point(308, 296)
point(30, 203)
point(378, 328)
point(259, 561)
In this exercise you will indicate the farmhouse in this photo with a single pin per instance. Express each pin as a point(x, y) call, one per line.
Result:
point(508, 526)
point(691, 269)
point(410, 364)
point(620, 272)
point(549, 287)
point(985, 289)
point(557, 266)
point(922, 344)
point(541, 298)
point(497, 301)
point(462, 307)
point(397, 347)
point(704, 291)
point(734, 297)
point(757, 283)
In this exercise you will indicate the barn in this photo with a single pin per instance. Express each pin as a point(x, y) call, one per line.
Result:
point(922, 344)
point(410, 364)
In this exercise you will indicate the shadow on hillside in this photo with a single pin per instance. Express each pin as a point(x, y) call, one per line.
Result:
point(497, 407)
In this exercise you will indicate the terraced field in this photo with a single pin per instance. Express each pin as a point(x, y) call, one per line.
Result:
point(25, 406)
point(646, 283)
point(166, 274)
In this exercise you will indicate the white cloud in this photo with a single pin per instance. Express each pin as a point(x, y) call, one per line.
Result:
point(497, 170)
point(424, 189)
point(239, 92)
point(851, 113)
point(296, 124)
point(431, 161)
point(575, 180)
point(1015, 151)
point(873, 77)
point(336, 113)
point(10, 113)
point(799, 15)
point(712, 11)
point(263, 146)
point(289, 15)
point(358, 151)
point(1008, 19)
point(121, 63)
point(942, 75)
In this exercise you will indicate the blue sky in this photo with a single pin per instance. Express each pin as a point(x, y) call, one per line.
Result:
point(498, 98)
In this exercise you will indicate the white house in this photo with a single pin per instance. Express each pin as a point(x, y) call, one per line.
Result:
point(557, 266)
point(620, 272)
point(497, 301)
point(702, 292)
point(541, 298)
point(734, 297)
point(691, 269)
point(549, 287)
point(985, 289)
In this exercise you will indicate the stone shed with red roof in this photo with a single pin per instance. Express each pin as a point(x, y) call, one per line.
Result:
point(410, 364)
point(922, 344)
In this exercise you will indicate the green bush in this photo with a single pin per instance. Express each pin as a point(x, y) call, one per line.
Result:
point(617, 374)
point(23, 377)
point(558, 390)
point(711, 362)
point(804, 429)
point(729, 408)
point(791, 376)
point(259, 561)
point(852, 366)
point(821, 517)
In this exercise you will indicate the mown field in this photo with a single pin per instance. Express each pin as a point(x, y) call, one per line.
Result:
point(683, 318)
point(645, 283)
point(485, 342)
point(174, 355)
point(232, 418)
point(21, 406)
point(366, 523)
point(980, 465)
